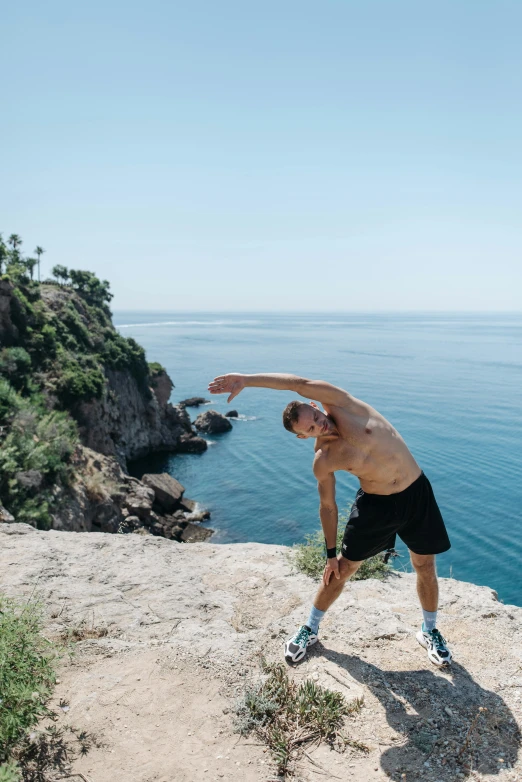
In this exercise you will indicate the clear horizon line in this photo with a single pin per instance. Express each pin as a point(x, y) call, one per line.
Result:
point(320, 312)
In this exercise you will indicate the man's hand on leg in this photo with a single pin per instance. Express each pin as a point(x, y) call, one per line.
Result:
point(331, 568)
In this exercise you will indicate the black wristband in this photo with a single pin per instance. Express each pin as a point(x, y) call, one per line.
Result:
point(331, 553)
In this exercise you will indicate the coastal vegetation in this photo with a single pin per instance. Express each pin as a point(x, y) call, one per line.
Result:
point(27, 677)
point(57, 343)
point(309, 557)
point(288, 716)
point(31, 743)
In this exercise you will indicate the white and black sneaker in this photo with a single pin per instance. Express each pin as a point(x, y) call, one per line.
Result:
point(435, 643)
point(295, 648)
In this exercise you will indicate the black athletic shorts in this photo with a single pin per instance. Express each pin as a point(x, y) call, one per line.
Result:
point(412, 514)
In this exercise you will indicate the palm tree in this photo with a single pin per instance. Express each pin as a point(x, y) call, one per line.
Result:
point(15, 241)
point(39, 251)
point(30, 263)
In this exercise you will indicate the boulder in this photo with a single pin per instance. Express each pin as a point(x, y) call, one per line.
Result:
point(212, 422)
point(187, 443)
point(138, 501)
point(172, 519)
point(167, 490)
point(194, 401)
point(193, 533)
point(5, 516)
point(188, 505)
point(232, 414)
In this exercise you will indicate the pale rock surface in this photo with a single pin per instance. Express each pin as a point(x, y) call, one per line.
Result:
point(180, 629)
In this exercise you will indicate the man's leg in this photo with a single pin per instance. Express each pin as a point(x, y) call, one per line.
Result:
point(326, 595)
point(295, 647)
point(428, 591)
point(427, 584)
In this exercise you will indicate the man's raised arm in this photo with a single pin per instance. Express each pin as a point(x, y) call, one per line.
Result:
point(320, 390)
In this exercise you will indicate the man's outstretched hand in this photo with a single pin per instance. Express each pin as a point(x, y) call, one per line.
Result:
point(227, 384)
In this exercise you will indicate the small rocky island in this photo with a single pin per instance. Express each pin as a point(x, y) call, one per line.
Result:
point(78, 401)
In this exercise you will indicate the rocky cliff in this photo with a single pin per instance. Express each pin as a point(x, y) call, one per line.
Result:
point(133, 416)
point(60, 359)
point(168, 636)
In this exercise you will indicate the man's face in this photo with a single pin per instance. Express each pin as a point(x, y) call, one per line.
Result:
point(312, 423)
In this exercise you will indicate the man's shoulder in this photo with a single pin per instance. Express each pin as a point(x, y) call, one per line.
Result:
point(321, 466)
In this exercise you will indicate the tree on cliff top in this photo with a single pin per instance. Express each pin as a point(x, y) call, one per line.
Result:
point(61, 273)
point(93, 290)
point(39, 251)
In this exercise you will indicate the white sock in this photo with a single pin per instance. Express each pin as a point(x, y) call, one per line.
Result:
point(314, 619)
point(430, 620)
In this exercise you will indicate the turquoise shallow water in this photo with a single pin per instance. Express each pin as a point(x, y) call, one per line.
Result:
point(451, 384)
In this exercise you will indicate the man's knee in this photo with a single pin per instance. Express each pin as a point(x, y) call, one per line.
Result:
point(347, 568)
point(424, 564)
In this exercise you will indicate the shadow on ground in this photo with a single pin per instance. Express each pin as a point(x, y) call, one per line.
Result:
point(448, 721)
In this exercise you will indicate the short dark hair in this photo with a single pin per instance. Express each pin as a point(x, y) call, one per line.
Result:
point(291, 415)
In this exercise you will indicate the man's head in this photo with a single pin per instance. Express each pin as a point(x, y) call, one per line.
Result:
point(306, 420)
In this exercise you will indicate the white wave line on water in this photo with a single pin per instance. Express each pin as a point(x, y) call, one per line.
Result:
point(191, 323)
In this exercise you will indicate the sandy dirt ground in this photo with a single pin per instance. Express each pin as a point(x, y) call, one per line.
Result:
point(170, 635)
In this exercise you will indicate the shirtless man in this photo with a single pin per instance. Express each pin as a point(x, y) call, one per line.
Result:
point(395, 496)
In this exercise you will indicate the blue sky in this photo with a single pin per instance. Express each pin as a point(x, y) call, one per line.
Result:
point(269, 155)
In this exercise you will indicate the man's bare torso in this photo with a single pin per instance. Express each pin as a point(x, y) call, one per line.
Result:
point(367, 446)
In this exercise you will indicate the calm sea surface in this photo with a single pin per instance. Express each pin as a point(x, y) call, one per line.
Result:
point(451, 384)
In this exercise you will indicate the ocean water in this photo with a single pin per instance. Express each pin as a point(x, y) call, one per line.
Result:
point(450, 383)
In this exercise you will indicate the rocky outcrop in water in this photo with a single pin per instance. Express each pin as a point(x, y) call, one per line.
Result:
point(212, 422)
point(194, 401)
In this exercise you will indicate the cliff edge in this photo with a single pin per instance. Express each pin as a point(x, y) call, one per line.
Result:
point(168, 635)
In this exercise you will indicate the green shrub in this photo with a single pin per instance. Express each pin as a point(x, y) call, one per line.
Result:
point(155, 369)
point(310, 557)
point(32, 291)
point(74, 324)
point(77, 382)
point(44, 344)
point(136, 358)
point(15, 365)
point(287, 716)
point(39, 442)
point(22, 312)
point(10, 772)
point(10, 401)
point(27, 674)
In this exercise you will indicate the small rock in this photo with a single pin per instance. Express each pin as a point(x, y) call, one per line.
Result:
point(194, 533)
point(212, 422)
point(232, 414)
point(194, 401)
